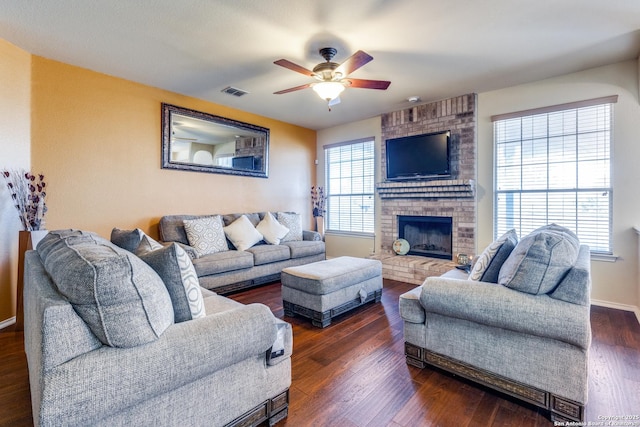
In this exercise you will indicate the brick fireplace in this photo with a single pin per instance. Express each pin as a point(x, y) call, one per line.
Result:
point(451, 199)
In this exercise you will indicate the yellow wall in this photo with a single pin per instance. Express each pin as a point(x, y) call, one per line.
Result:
point(15, 94)
point(97, 139)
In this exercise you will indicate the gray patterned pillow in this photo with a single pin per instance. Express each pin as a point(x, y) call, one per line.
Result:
point(488, 264)
point(174, 267)
point(294, 223)
point(206, 235)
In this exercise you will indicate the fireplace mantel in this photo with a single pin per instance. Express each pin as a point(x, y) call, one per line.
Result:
point(445, 188)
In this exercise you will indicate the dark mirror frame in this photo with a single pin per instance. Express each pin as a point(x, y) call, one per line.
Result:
point(170, 111)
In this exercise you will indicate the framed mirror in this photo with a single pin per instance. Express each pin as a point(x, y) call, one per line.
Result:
point(201, 142)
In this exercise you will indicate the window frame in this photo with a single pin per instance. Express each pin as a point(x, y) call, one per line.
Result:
point(549, 190)
point(367, 225)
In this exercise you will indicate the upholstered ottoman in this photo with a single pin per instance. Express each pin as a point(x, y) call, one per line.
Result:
point(325, 289)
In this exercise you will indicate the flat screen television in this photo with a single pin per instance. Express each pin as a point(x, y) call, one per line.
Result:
point(419, 156)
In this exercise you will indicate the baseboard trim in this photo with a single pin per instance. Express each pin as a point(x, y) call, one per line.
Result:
point(5, 323)
point(625, 307)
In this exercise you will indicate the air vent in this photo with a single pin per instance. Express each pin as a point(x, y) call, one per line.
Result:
point(229, 90)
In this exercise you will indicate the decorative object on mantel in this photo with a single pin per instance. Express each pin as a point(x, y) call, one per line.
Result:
point(28, 193)
point(317, 200)
point(401, 246)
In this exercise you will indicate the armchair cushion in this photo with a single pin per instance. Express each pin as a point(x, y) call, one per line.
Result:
point(540, 260)
point(122, 300)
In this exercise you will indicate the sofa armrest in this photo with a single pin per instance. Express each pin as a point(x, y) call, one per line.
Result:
point(311, 235)
point(410, 308)
point(185, 352)
point(498, 306)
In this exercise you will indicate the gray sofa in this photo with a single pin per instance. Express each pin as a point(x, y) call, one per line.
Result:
point(233, 270)
point(527, 335)
point(107, 345)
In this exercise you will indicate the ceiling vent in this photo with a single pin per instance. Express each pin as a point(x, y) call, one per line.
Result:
point(229, 90)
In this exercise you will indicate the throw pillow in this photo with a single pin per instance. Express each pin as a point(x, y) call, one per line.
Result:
point(120, 298)
point(488, 264)
point(174, 267)
point(147, 244)
point(126, 239)
point(540, 260)
point(294, 223)
point(206, 235)
point(271, 229)
point(242, 233)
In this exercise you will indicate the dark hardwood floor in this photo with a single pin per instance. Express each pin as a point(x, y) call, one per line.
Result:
point(353, 373)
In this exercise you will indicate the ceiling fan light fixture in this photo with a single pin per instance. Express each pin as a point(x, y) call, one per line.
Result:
point(328, 90)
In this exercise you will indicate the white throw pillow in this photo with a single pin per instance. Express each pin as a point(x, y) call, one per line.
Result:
point(294, 223)
point(242, 233)
point(271, 229)
point(206, 235)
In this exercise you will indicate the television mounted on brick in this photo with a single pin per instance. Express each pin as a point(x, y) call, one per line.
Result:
point(419, 156)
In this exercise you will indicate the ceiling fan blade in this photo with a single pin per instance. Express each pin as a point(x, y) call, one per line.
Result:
point(368, 84)
point(354, 62)
point(292, 89)
point(294, 67)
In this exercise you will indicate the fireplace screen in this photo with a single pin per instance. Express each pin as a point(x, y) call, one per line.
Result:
point(428, 236)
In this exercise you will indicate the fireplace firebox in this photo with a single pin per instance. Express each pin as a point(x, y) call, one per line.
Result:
point(428, 236)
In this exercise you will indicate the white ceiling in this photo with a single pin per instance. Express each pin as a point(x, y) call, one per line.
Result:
point(427, 48)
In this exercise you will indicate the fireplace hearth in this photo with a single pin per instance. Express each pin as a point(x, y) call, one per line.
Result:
point(429, 236)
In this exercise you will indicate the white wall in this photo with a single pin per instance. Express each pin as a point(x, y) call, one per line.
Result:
point(614, 283)
point(339, 245)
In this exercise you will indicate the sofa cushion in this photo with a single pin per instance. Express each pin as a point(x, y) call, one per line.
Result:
point(223, 262)
point(126, 239)
point(206, 234)
point(174, 267)
point(266, 254)
point(540, 260)
point(121, 298)
point(294, 223)
point(242, 233)
point(488, 264)
point(304, 248)
point(271, 229)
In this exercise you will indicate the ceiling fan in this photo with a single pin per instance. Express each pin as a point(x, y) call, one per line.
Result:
point(333, 78)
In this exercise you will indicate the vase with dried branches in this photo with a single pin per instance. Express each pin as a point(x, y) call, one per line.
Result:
point(28, 193)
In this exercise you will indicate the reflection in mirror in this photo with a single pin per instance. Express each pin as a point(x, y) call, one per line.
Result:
point(196, 141)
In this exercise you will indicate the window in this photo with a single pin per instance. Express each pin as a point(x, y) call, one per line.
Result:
point(350, 186)
point(553, 166)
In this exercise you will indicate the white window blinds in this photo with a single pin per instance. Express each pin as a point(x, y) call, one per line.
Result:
point(350, 170)
point(553, 166)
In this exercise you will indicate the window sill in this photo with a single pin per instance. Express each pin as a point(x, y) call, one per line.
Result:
point(349, 234)
point(604, 257)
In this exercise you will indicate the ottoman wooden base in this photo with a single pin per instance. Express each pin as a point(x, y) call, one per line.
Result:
point(322, 320)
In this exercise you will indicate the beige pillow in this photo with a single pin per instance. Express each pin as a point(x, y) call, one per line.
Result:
point(242, 233)
point(271, 229)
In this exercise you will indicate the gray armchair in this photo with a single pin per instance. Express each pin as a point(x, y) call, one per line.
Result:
point(533, 346)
